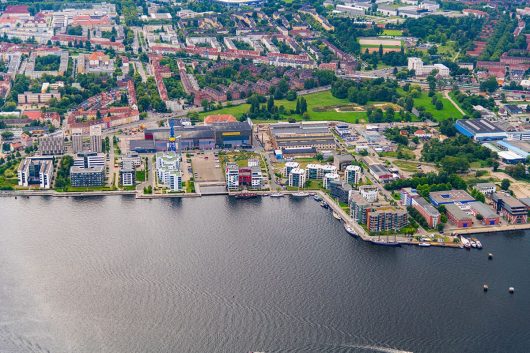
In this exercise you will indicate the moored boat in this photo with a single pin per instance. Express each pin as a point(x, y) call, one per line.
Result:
point(300, 194)
point(336, 215)
point(246, 195)
point(477, 242)
point(385, 243)
point(349, 230)
point(317, 198)
point(277, 194)
point(424, 244)
point(324, 204)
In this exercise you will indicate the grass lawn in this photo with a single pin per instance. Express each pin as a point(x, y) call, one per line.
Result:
point(314, 100)
point(392, 32)
point(448, 111)
point(406, 166)
point(140, 175)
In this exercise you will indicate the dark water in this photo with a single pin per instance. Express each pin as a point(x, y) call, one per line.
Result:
point(120, 275)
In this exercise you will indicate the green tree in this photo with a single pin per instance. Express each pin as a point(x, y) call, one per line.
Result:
point(505, 184)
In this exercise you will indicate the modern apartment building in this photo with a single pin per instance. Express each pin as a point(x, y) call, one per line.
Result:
point(89, 160)
point(386, 218)
point(358, 207)
point(352, 174)
point(369, 192)
point(232, 176)
point(297, 178)
point(87, 177)
point(36, 171)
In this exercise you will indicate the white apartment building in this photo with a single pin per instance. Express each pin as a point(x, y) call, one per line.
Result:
point(352, 174)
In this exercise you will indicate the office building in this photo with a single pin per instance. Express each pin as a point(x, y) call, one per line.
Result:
point(36, 171)
point(87, 177)
point(458, 217)
point(485, 188)
point(426, 210)
point(96, 142)
point(448, 197)
point(489, 217)
point(513, 210)
point(89, 160)
point(417, 65)
point(297, 178)
point(352, 174)
point(52, 144)
point(386, 218)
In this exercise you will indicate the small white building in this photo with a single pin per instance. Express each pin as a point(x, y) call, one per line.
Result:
point(289, 166)
point(369, 192)
point(417, 65)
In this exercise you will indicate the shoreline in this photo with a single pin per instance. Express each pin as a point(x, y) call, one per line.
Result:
point(344, 216)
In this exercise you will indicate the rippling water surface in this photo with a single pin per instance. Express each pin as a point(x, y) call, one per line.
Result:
point(120, 275)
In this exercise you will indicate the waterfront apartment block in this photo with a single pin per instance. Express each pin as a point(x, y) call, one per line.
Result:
point(329, 177)
point(513, 210)
point(127, 174)
point(297, 178)
point(458, 217)
point(449, 197)
point(250, 176)
point(168, 170)
point(358, 207)
point(317, 171)
point(77, 140)
point(386, 218)
point(352, 174)
point(232, 176)
point(87, 177)
point(52, 144)
point(340, 190)
point(36, 171)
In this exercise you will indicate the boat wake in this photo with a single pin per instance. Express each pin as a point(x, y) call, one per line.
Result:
point(376, 348)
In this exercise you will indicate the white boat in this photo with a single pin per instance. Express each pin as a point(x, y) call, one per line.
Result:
point(300, 194)
point(336, 215)
point(277, 194)
point(477, 242)
point(465, 242)
point(424, 244)
point(349, 230)
point(473, 244)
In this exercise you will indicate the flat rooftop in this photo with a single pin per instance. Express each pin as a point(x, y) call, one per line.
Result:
point(450, 196)
point(480, 126)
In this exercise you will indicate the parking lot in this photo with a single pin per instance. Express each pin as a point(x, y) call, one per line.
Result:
point(206, 168)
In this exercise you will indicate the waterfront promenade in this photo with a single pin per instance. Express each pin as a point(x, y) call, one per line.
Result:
point(345, 217)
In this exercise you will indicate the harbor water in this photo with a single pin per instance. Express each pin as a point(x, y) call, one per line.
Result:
point(215, 274)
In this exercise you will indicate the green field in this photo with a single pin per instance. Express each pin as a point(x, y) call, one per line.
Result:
point(392, 32)
point(314, 100)
point(448, 111)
